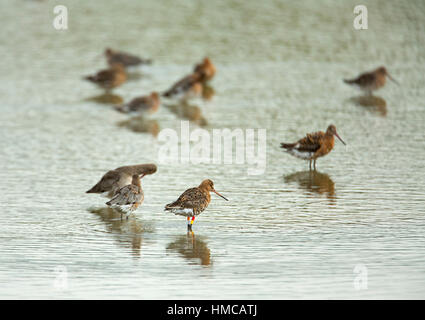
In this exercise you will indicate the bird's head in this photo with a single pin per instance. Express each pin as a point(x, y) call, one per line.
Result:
point(208, 185)
point(332, 131)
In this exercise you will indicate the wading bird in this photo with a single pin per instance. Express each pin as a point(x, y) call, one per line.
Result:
point(193, 201)
point(129, 195)
point(313, 145)
point(115, 179)
point(371, 81)
point(109, 78)
point(148, 103)
point(127, 60)
point(186, 88)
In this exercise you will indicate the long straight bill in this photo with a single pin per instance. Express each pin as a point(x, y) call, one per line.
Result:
point(220, 195)
point(340, 138)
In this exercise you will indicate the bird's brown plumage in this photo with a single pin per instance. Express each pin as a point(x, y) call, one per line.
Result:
point(194, 200)
point(187, 87)
point(109, 78)
point(192, 85)
point(205, 69)
point(370, 81)
point(131, 194)
point(313, 145)
point(114, 180)
point(126, 59)
point(144, 103)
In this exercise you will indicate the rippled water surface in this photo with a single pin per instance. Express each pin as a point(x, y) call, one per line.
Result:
point(288, 233)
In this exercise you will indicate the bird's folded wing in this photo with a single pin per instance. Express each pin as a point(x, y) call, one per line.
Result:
point(364, 79)
point(105, 75)
point(127, 195)
point(183, 84)
point(311, 142)
point(191, 198)
point(138, 103)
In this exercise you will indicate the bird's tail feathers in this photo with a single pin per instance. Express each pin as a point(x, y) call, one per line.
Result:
point(287, 145)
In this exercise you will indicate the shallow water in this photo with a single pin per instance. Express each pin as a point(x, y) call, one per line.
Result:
point(287, 233)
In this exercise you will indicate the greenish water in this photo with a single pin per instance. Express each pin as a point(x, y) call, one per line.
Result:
point(286, 233)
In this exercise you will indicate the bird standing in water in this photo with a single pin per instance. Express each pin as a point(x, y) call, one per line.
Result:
point(193, 201)
point(127, 60)
point(109, 78)
point(313, 145)
point(186, 88)
point(371, 81)
point(131, 194)
point(148, 103)
point(113, 180)
point(193, 85)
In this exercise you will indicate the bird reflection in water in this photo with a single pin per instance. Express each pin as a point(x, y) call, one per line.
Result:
point(314, 182)
point(106, 98)
point(190, 112)
point(371, 103)
point(191, 248)
point(141, 124)
point(128, 233)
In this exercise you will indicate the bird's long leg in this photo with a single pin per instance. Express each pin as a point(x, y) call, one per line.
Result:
point(130, 211)
point(190, 223)
point(310, 165)
point(189, 226)
point(314, 164)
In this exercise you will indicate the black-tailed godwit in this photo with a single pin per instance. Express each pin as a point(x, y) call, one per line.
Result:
point(193, 201)
point(371, 81)
point(148, 103)
point(313, 145)
point(126, 59)
point(186, 88)
point(109, 78)
point(129, 195)
point(115, 179)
